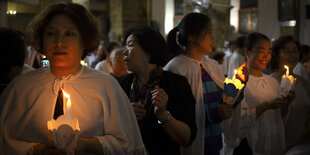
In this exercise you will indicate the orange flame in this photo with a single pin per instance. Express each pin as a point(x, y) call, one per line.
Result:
point(240, 72)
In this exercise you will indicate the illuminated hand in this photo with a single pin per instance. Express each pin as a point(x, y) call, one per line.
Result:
point(48, 149)
point(160, 100)
point(225, 111)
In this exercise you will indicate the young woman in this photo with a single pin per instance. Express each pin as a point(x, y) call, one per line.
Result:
point(188, 42)
point(285, 52)
point(258, 117)
point(66, 33)
point(163, 101)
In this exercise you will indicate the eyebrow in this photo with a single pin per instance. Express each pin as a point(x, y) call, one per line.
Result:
point(66, 27)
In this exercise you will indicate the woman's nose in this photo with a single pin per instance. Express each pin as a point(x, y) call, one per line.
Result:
point(59, 40)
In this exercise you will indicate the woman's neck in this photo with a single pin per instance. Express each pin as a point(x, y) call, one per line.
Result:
point(64, 71)
point(255, 72)
point(144, 74)
point(194, 53)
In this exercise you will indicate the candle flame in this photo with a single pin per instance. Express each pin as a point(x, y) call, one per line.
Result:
point(240, 72)
point(68, 102)
point(235, 72)
point(287, 70)
point(83, 63)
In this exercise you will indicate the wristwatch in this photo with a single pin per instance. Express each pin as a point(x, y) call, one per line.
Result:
point(166, 120)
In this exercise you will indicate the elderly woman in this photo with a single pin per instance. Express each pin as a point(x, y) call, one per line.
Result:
point(163, 102)
point(66, 33)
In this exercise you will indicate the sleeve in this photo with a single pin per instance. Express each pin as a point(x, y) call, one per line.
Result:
point(184, 109)
point(10, 117)
point(121, 131)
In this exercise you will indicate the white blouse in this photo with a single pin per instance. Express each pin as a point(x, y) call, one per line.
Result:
point(265, 134)
point(101, 106)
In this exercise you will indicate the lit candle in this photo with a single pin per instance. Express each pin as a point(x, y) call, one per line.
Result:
point(68, 109)
point(287, 70)
point(83, 63)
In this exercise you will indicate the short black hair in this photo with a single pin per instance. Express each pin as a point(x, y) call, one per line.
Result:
point(252, 38)
point(111, 46)
point(151, 41)
point(13, 47)
point(85, 22)
point(240, 41)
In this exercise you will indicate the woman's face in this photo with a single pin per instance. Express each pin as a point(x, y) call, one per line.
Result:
point(118, 65)
point(62, 42)
point(206, 42)
point(135, 57)
point(288, 55)
point(260, 55)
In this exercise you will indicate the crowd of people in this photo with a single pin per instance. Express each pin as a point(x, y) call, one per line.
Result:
point(148, 94)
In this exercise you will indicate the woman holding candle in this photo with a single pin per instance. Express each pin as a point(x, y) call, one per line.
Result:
point(163, 101)
point(188, 42)
point(258, 117)
point(285, 53)
point(66, 33)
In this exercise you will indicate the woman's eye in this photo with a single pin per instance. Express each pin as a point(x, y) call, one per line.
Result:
point(69, 34)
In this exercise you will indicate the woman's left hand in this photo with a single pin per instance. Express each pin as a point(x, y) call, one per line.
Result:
point(160, 100)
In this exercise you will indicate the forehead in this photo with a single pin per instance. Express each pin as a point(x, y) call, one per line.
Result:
point(130, 38)
point(262, 44)
point(290, 44)
point(61, 21)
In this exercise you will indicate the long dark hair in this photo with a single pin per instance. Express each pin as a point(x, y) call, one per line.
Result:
point(193, 24)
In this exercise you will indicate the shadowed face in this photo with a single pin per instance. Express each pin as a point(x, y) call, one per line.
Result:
point(259, 55)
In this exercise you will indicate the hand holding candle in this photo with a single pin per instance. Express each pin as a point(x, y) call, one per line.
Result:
point(65, 129)
point(287, 83)
point(233, 87)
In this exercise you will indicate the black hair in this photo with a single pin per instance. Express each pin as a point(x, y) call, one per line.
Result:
point(13, 47)
point(85, 22)
point(111, 46)
point(219, 55)
point(151, 41)
point(193, 24)
point(253, 38)
point(240, 41)
point(276, 47)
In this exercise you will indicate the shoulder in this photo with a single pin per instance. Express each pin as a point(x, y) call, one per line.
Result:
point(36, 76)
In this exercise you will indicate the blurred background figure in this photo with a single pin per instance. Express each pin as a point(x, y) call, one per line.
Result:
point(285, 52)
point(218, 56)
point(118, 63)
point(13, 49)
point(105, 64)
point(99, 54)
point(303, 66)
point(237, 57)
point(228, 53)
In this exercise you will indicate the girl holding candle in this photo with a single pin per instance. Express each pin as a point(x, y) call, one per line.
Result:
point(258, 117)
point(66, 33)
point(285, 53)
point(163, 101)
point(188, 42)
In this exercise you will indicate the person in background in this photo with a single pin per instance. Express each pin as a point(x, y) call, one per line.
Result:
point(105, 65)
point(237, 57)
point(258, 117)
point(13, 47)
point(118, 63)
point(218, 56)
point(285, 52)
point(228, 54)
point(100, 54)
point(163, 101)
point(188, 43)
point(303, 66)
point(66, 33)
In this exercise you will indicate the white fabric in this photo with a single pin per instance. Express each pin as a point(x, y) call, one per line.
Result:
point(99, 103)
point(190, 68)
point(104, 66)
point(267, 20)
point(225, 64)
point(302, 71)
point(265, 134)
point(235, 62)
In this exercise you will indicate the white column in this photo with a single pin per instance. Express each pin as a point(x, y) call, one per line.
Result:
point(234, 13)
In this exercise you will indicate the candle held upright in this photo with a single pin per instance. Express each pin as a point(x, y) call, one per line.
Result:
point(287, 83)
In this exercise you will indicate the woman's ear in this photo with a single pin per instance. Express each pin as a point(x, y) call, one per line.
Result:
point(246, 52)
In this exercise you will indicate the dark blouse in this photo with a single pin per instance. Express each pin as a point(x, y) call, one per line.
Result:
point(181, 105)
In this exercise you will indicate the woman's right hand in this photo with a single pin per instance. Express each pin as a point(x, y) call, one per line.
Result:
point(48, 149)
point(276, 103)
point(139, 110)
